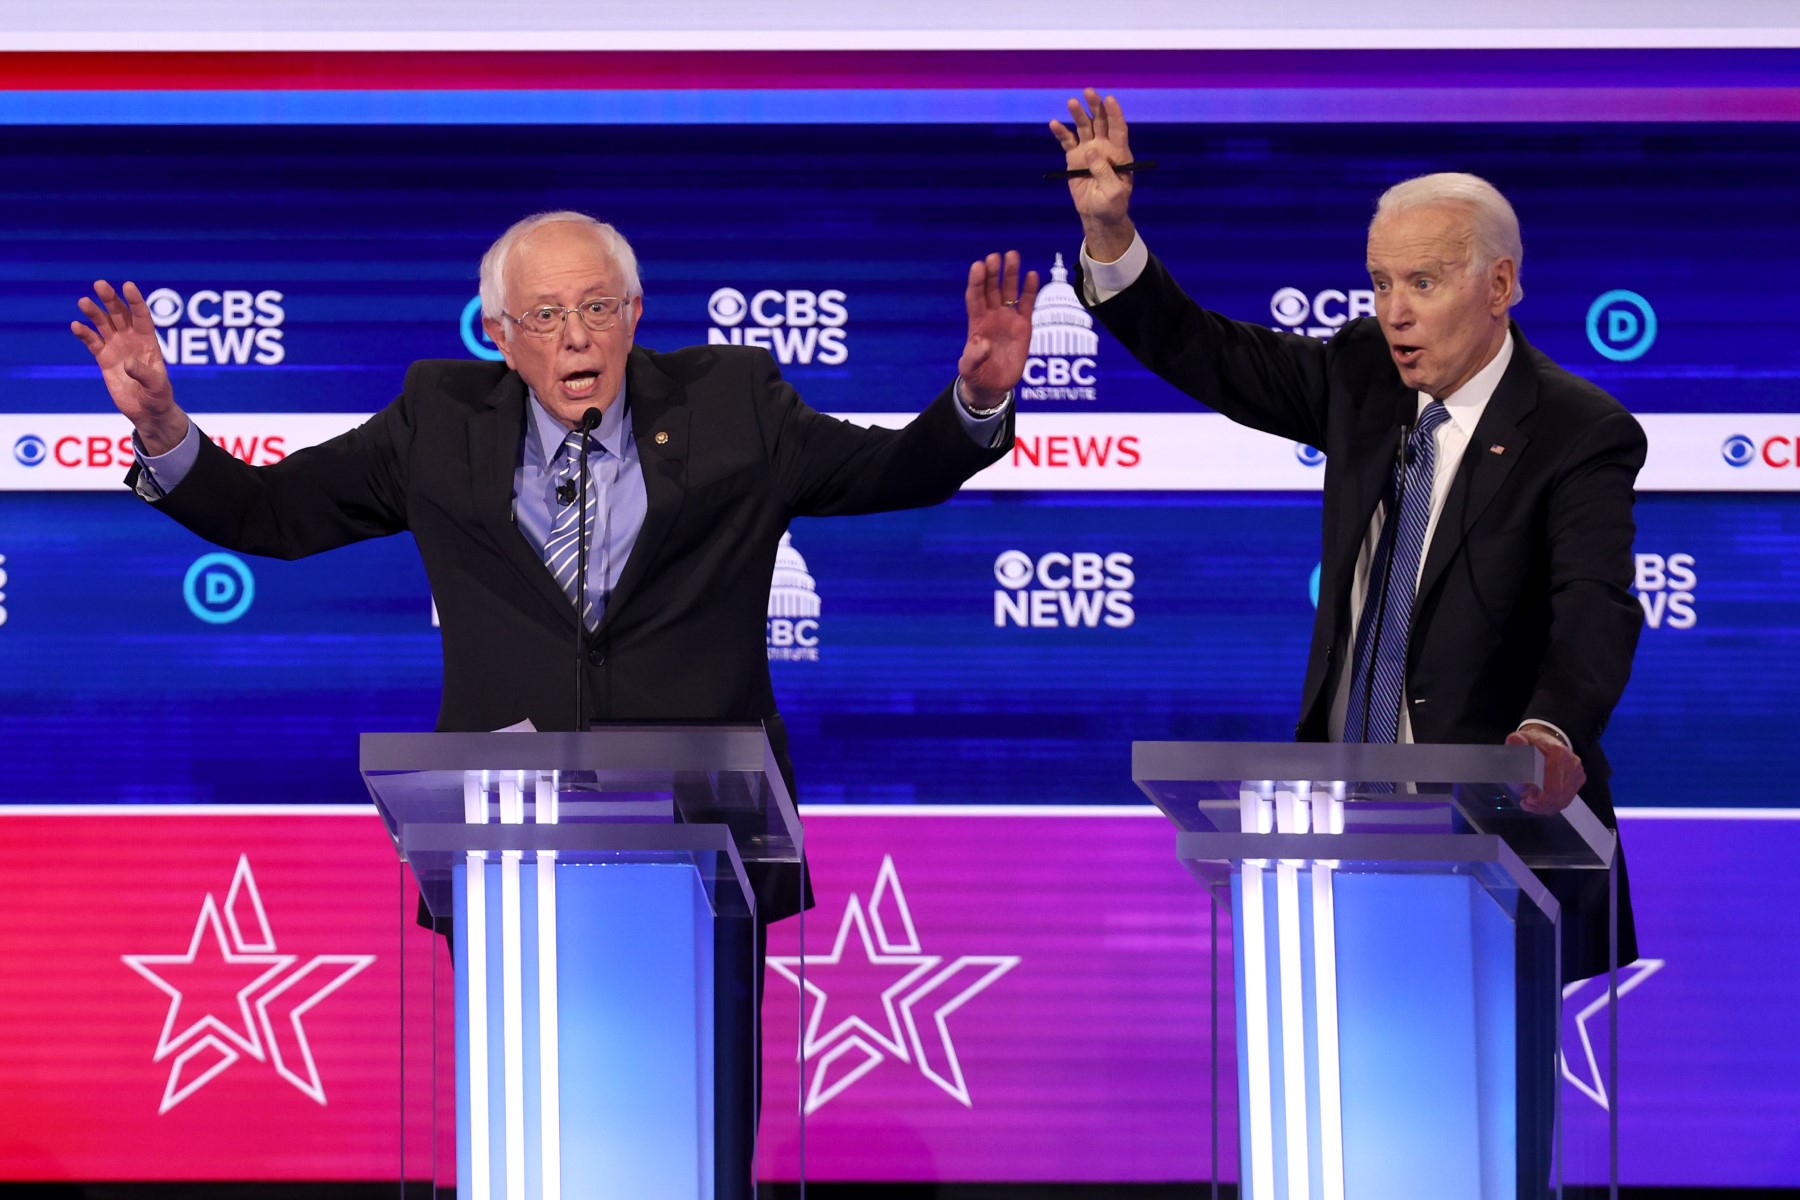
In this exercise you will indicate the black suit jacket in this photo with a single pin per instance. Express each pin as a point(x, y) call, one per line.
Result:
point(1523, 607)
point(729, 453)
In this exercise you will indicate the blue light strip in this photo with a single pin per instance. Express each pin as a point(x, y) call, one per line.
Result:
point(888, 106)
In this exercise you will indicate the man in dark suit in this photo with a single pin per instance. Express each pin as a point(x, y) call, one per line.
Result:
point(698, 461)
point(1478, 498)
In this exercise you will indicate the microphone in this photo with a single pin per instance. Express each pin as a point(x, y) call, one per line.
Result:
point(565, 492)
point(589, 419)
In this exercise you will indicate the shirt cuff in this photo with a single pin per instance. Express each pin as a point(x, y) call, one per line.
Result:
point(1560, 735)
point(983, 424)
point(163, 473)
point(1101, 281)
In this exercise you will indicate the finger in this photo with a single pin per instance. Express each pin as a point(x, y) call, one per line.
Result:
point(991, 294)
point(1115, 124)
point(115, 307)
point(974, 293)
point(103, 323)
point(1029, 298)
point(1101, 125)
point(1084, 126)
point(1009, 278)
point(134, 300)
point(88, 337)
point(1065, 137)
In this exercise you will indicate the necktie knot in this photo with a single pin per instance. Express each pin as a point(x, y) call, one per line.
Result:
point(1434, 414)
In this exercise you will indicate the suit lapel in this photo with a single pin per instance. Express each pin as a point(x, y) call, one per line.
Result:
point(659, 426)
point(1483, 468)
point(494, 436)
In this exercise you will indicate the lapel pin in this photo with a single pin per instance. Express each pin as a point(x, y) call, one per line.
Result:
point(1496, 448)
point(662, 438)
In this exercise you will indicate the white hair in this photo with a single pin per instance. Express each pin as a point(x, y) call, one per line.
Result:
point(1493, 223)
point(493, 263)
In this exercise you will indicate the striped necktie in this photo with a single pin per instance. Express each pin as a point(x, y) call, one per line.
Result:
point(1373, 713)
point(561, 548)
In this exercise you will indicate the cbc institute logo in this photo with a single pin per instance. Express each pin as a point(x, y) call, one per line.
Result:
point(232, 996)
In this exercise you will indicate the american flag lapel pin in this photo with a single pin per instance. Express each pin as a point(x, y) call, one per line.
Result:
point(1496, 448)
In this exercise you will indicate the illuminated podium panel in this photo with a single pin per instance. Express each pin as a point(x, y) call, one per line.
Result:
point(1397, 981)
point(606, 990)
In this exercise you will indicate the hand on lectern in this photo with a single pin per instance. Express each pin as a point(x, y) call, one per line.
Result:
point(993, 358)
point(123, 342)
point(1099, 142)
point(1563, 772)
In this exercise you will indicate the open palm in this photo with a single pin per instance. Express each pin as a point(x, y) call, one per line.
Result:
point(1098, 141)
point(993, 358)
point(123, 343)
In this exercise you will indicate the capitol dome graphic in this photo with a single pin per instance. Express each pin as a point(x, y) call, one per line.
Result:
point(792, 593)
point(1060, 327)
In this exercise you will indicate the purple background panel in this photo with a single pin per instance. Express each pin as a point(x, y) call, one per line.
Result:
point(1709, 1078)
point(1088, 1061)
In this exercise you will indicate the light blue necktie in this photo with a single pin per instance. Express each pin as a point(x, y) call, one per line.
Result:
point(1373, 713)
point(561, 548)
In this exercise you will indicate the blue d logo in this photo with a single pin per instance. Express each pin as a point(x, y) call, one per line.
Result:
point(1621, 325)
point(218, 588)
point(474, 337)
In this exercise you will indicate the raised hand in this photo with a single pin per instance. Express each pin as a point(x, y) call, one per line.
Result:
point(123, 343)
point(993, 358)
point(1099, 141)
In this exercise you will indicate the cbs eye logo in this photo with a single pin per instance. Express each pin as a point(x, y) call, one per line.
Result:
point(1014, 569)
point(728, 306)
point(30, 450)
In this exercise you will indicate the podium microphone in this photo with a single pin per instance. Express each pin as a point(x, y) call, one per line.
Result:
point(589, 419)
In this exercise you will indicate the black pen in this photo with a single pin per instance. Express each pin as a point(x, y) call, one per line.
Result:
point(1143, 164)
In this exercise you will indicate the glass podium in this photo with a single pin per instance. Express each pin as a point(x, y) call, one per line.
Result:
point(1396, 982)
point(597, 1034)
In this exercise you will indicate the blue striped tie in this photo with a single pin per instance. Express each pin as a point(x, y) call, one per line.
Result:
point(562, 546)
point(1373, 713)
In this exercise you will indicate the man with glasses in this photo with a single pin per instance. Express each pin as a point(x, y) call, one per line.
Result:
point(695, 462)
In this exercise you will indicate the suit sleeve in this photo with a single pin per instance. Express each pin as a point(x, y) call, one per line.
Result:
point(1594, 619)
point(826, 467)
point(344, 490)
point(1268, 380)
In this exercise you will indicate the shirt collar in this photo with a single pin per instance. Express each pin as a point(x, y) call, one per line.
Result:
point(610, 435)
point(1464, 406)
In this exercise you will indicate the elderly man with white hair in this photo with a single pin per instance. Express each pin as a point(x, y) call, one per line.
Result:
point(696, 460)
point(1477, 557)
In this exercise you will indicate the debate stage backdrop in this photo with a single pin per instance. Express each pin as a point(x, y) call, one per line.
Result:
point(1136, 570)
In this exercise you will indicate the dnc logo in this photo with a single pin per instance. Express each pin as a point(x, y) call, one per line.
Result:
point(1621, 325)
point(218, 588)
point(474, 338)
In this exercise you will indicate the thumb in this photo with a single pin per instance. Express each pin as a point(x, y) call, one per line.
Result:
point(1517, 739)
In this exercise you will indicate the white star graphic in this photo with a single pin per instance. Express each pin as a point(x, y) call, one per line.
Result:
point(896, 944)
point(1594, 1085)
point(207, 1033)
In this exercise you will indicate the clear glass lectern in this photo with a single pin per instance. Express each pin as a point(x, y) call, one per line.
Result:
point(605, 981)
point(1397, 982)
